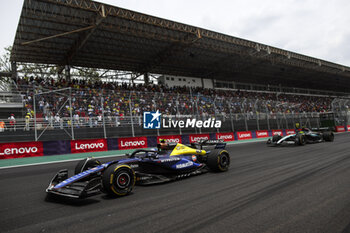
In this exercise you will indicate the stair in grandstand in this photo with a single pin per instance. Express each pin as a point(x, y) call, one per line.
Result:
point(10, 99)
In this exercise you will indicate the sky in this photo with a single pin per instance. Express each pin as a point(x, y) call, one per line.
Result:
point(316, 28)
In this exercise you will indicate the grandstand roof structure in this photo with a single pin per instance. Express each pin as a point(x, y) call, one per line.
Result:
point(91, 34)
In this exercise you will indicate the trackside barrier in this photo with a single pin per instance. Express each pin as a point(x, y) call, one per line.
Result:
point(21, 149)
point(90, 145)
point(277, 132)
point(261, 134)
point(244, 135)
point(132, 143)
point(340, 128)
point(290, 131)
point(47, 148)
point(225, 136)
point(198, 137)
point(170, 138)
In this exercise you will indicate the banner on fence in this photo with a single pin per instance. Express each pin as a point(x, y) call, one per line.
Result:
point(277, 132)
point(132, 143)
point(244, 135)
point(89, 145)
point(262, 133)
point(198, 137)
point(290, 131)
point(340, 128)
point(21, 149)
point(170, 138)
point(225, 136)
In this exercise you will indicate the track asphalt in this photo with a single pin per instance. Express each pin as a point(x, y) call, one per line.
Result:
point(267, 189)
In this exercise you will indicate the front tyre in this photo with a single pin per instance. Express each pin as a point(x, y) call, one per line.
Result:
point(118, 180)
point(218, 160)
point(300, 139)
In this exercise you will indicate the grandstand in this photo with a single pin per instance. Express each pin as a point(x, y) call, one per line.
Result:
point(246, 84)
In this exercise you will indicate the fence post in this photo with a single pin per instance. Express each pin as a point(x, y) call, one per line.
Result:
point(277, 120)
point(103, 115)
point(155, 104)
point(232, 125)
point(132, 122)
point(285, 118)
point(245, 121)
point(177, 110)
point(257, 113)
point(217, 130)
point(35, 128)
point(70, 112)
point(200, 130)
point(293, 119)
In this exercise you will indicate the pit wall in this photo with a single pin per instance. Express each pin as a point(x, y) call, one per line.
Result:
point(47, 148)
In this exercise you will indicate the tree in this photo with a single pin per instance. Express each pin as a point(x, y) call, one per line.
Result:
point(5, 63)
point(40, 70)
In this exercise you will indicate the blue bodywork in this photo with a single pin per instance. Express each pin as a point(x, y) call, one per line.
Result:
point(150, 167)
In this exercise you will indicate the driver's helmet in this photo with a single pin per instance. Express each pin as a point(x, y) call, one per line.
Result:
point(297, 125)
point(163, 144)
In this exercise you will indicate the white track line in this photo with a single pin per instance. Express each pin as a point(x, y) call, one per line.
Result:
point(60, 161)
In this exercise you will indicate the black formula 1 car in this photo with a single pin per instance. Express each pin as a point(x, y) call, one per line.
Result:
point(143, 167)
point(302, 137)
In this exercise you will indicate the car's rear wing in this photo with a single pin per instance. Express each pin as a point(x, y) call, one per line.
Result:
point(219, 144)
point(322, 129)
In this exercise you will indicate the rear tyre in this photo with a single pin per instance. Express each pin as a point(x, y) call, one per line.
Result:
point(218, 160)
point(328, 136)
point(118, 180)
point(86, 164)
point(300, 140)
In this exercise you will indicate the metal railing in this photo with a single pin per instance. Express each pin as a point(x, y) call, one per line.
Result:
point(92, 113)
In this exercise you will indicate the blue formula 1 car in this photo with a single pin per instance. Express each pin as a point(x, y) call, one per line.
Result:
point(166, 163)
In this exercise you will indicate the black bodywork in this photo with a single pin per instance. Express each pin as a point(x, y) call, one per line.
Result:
point(302, 137)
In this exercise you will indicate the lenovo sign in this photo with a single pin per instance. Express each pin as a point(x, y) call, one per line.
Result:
point(198, 137)
point(21, 149)
point(340, 128)
point(170, 138)
point(290, 131)
point(262, 133)
point(132, 143)
point(244, 135)
point(225, 136)
point(93, 145)
point(277, 132)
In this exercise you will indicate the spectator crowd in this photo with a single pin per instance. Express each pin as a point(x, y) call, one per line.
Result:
point(119, 101)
